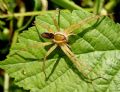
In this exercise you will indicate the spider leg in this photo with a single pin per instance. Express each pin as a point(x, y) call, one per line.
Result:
point(50, 30)
point(47, 54)
point(75, 26)
point(39, 44)
point(58, 16)
point(47, 43)
point(45, 26)
point(57, 24)
point(79, 65)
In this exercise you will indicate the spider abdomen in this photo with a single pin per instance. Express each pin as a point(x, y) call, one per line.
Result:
point(47, 35)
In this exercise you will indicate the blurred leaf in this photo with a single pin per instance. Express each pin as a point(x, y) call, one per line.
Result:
point(86, 3)
point(96, 43)
point(2, 23)
point(11, 4)
point(8, 5)
point(68, 4)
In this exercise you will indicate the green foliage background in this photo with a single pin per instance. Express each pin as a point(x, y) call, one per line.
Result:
point(96, 43)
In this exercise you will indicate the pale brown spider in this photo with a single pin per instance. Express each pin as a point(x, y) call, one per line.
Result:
point(60, 38)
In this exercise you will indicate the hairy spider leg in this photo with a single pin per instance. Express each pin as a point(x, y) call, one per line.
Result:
point(75, 26)
point(49, 51)
point(79, 65)
point(41, 44)
point(58, 16)
point(47, 27)
point(57, 24)
point(47, 54)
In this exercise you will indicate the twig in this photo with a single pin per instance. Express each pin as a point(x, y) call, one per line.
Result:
point(24, 14)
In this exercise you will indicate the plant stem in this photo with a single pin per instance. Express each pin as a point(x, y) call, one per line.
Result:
point(21, 10)
point(24, 14)
point(98, 6)
point(44, 5)
point(6, 82)
point(14, 39)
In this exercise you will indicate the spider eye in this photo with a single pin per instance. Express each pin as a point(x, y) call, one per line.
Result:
point(47, 35)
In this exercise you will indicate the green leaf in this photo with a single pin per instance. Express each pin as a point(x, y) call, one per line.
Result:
point(96, 43)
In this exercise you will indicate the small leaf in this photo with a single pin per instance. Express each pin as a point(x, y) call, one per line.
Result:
point(97, 43)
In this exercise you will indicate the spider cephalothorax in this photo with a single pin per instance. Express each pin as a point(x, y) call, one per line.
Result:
point(57, 37)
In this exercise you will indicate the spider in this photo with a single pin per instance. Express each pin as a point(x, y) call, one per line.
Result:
point(60, 39)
